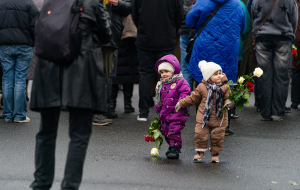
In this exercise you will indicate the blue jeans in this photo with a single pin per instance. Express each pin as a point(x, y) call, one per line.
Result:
point(273, 57)
point(184, 40)
point(15, 61)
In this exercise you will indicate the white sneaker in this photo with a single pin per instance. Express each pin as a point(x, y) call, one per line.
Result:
point(142, 117)
point(27, 120)
point(276, 118)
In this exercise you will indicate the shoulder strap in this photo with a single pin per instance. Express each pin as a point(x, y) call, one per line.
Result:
point(212, 14)
point(263, 22)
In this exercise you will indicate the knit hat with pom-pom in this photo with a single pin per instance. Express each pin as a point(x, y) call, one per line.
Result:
point(208, 69)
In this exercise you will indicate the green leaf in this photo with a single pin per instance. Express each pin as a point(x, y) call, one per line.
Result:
point(158, 142)
point(246, 96)
point(275, 182)
point(231, 83)
point(156, 133)
point(247, 103)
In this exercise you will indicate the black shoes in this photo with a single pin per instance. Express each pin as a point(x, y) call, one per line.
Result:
point(173, 152)
point(228, 132)
point(111, 115)
point(288, 110)
point(128, 109)
point(294, 105)
point(234, 116)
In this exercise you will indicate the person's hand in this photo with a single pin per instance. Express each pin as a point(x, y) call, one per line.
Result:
point(114, 2)
point(229, 104)
point(177, 107)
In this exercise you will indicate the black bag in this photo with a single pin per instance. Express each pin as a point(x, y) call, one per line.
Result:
point(189, 48)
point(57, 36)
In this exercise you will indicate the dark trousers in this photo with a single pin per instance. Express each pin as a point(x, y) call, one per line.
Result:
point(127, 92)
point(273, 57)
point(295, 90)
point(80, 128)
point(147, 61)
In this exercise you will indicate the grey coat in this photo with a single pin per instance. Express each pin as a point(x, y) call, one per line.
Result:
point(282, 22)
point(80, 84)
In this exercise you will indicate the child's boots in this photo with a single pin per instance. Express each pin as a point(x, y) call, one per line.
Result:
point(173, 152)
point(214, 158)
point(198, 157)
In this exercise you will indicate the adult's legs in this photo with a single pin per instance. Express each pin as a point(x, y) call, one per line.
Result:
point(80, 129)
point(110, 56)
point(264, 57)
point(127, 91)
point(8, 63)
point(147, 60)
point(184, 40)
point(282, 64)
point(295, 90)
point(45, 149)
point(146, 71)
point(24, 55)
point(114, 95)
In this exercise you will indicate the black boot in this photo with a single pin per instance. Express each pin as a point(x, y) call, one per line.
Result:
point(173, 152)
point(127, 91)
point(112, 93)
point(227, 130)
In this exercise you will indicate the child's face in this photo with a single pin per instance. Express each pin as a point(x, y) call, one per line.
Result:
point(217, 77)
point(165, 74)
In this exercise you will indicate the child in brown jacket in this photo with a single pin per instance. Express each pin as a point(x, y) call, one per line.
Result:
point(211, 95)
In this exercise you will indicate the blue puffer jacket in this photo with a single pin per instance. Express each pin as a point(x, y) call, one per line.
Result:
point(219, 40)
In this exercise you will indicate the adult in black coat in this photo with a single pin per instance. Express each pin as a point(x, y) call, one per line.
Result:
point(79, 86)
point(158, 23)
point(127, 69)
point(117, 9)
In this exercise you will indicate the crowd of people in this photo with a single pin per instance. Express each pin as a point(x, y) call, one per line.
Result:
point(127, 42)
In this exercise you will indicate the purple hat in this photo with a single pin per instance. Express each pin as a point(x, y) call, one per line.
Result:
point(171, 59)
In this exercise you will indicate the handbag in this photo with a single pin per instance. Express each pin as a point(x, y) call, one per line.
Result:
point(254, 34)
point(189, 48)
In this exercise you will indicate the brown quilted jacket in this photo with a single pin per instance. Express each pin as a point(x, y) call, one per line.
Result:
point(199, 96)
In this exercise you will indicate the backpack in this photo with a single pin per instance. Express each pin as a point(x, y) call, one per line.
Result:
point(57, 36)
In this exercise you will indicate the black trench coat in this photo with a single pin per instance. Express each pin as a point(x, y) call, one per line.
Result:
point(80, 84)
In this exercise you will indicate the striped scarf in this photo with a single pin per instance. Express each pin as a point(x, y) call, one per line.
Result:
point(209, 102)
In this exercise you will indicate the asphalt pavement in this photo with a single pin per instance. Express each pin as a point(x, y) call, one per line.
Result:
point(262, 155)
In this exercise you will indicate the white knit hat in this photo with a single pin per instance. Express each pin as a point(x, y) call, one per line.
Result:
point(166, 66)
point(208, 69)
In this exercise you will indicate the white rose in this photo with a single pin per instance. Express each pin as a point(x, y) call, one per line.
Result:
point(241, 80)
point(258, 72)
point(154, 152)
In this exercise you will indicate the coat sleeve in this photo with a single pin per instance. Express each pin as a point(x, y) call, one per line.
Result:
point(179, 15)
point(158, 108)
point(194, 99)
point(135, 12)
point(103, 23)
point(193, 16)
point(123, 8)
point(33, 16)
point(294, 16)
point(184, 89)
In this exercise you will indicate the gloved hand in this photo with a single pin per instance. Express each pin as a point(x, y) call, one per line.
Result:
point(177, 107)
point(229, 104)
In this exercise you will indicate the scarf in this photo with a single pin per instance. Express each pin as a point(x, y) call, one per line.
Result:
point(209, 102)
point(162, 81)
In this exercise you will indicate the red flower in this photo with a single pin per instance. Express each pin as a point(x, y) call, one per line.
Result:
point(250, 86)
point(147, 138)
point(151, 139)
point(294, 52)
